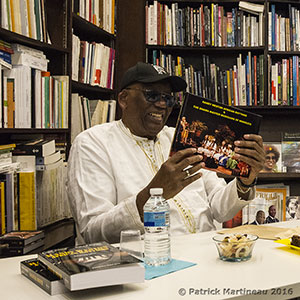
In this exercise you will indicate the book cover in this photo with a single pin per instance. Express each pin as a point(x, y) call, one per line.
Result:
point(267, 198)
point(290, 145)
point(21, 238)
point(38, 273)
point(93, 265)
point(292, 211)
point(212, 128)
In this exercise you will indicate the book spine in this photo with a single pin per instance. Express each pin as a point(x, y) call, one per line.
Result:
point(56, 270)
point(36, 278)
point(27, 205)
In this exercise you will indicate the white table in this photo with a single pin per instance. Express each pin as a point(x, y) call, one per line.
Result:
point(271, 269)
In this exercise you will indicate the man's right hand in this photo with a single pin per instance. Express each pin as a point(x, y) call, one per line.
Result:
point(172, 176)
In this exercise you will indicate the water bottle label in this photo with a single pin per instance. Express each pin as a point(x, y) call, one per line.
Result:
point(155, 219)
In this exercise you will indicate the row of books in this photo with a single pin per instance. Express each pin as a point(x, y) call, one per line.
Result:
point(29, 96)
point(32, 176)
point(284, 32)
point(87, 113)
point(284, 83)
point(26, 17)
point(205, 25)
point(243, 84)
point(93, 63)
point(100, 13)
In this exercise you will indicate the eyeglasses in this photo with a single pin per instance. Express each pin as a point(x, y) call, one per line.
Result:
point(270, 157)
point(154, 96)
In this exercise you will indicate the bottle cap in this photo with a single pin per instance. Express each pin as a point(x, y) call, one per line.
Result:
point(156, 191)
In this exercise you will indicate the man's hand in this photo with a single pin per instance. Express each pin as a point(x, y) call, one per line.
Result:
point(250, 151)
point(172, 176)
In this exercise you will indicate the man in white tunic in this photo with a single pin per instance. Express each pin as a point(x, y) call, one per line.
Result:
point(112, 167)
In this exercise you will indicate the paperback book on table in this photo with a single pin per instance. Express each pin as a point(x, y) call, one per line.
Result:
point(93, 265)
point(212, 127)
point(42, 276)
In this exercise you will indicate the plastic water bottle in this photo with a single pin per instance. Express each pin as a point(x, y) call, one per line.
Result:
point(157, 229)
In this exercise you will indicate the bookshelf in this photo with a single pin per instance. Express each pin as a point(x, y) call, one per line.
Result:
point(276, 118)
point(61, 19)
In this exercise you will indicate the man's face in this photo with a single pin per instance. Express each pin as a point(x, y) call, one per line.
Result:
point(144, 118)
point(272, 211)
point(260, 218)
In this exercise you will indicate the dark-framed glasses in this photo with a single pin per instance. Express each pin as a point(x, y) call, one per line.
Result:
point(154, 96)
point(269, 157)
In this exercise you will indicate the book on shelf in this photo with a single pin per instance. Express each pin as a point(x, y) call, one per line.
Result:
point(38, 147)
point(40, 274)
point(49, 159)
point(22, 250)
point(93, 265)
point(292, 211)
point(21, 238)
point(251, 7)
point(50, 166)
point(273, 162)
point(290, 145)
point(212, 128)
point(265, 197)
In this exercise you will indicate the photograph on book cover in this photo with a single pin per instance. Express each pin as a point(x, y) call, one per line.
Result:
point(290, 144)
point(273, 158)
point(269, 204)
point(212, 128)
point(293, 208)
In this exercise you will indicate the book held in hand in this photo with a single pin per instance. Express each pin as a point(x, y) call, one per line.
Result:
point(40, 274)
point(93, 265)
point(212, 128)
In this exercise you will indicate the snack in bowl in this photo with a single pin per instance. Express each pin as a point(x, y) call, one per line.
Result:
point(295, 240)
point(235, 247)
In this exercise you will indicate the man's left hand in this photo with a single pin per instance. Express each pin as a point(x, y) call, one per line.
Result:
point(251, 151)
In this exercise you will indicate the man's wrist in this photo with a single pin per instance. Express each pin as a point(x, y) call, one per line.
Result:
point(242, 184)
point(244, 188)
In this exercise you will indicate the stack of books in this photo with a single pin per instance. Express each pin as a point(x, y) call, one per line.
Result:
point(46, 156)
point(83, 267)
point(21, 242)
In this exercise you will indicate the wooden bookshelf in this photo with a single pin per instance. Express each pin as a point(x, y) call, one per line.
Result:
point(61, 22)
point(276, 119)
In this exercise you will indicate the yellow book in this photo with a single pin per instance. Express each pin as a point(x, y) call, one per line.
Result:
point(29, 19)
point(112, 30)
point(12, 13)
point(27, 220)
point(2, 202)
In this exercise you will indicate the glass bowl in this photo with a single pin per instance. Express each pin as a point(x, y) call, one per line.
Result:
point(235, 247)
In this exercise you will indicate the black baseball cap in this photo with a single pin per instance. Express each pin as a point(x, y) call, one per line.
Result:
point(148, 73)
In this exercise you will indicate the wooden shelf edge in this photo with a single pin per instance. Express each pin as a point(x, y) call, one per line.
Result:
point(81, 22)
point(13, 37)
